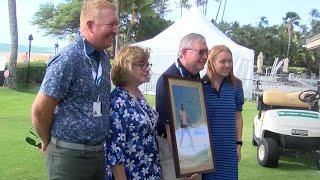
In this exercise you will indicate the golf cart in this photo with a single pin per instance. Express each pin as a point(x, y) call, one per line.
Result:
point(287, 122)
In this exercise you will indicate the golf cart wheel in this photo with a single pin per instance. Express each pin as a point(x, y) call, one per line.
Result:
point(317, 162)
point(254, 143)
point(268, 152)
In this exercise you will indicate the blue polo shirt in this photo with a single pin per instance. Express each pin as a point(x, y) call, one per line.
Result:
point(69, 80)
point(222, 104)
point(162, 103)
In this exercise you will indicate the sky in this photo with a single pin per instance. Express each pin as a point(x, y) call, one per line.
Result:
point(243, 11)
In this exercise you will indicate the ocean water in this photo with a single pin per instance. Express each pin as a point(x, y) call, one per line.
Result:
point(25, 48)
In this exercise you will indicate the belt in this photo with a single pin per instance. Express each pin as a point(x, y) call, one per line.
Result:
point(75, 146)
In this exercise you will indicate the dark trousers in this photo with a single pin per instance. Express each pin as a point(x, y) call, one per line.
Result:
point(69, 164)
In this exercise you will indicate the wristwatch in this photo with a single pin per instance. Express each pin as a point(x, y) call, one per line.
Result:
point(239, 143)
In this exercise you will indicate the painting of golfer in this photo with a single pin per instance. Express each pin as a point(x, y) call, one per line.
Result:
point(189, 127)
point(185, 126)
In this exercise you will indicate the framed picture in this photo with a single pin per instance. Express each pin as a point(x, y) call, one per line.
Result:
point(189, 125)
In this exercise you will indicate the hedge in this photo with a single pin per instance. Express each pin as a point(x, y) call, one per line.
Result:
point(36, 73)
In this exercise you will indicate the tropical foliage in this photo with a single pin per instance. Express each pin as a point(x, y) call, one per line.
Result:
point(284, 40)
point(141, 20)
point(63, 19)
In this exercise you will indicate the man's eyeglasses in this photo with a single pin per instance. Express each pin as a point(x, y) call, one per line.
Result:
point(144, 66)
point(201, 52)
point(31, 141)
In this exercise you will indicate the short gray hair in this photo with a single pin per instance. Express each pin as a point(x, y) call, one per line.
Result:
point(187, 41)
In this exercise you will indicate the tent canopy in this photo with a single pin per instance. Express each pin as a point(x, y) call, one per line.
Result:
point(164, 47)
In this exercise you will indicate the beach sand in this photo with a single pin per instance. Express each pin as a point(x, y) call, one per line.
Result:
point(21, 56)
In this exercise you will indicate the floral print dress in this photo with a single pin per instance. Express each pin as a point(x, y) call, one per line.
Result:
point(133, 136)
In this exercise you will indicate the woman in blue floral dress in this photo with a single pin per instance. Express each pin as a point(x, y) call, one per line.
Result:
point(132, 151)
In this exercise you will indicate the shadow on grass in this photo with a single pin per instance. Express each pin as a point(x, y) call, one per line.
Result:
point(297, 162)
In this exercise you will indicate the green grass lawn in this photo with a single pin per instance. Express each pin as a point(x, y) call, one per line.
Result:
point(289, 167)
point(18, 160)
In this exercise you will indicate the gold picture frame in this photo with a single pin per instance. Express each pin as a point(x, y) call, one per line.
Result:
point(190, 132)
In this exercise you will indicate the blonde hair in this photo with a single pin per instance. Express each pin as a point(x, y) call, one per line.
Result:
point(91, 11)
point(211, 72)
point(124, 60)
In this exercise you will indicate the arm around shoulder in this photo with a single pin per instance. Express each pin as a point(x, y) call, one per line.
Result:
point(41, 115)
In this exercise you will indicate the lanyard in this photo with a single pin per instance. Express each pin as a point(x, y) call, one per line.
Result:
point(183, 72)
point(95, 75)
point(179, 67)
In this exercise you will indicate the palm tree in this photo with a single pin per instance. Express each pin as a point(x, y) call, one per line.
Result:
point(160, 7)
point(263, 22)
point(203, 3)
point(315, 21)
point(220, 1)
point(184, 4)
point(12, 80)
point(291, 19)
point(224, 8)
point(315, 29)
point(116, 47)
point(134, 9)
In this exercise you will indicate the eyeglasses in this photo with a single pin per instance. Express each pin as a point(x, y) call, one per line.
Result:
point(144, 66)
point(31, 141)
point(201, 52)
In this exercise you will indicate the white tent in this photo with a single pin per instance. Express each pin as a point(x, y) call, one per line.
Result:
point(164, 48)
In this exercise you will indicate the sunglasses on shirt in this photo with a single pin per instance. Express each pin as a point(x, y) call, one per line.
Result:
point(31, 140)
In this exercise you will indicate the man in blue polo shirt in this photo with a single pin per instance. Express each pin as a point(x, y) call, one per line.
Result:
point(192, 56)
point(71, 110)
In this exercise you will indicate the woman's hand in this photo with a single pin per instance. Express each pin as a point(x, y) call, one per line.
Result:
point(193, 177)
point(239, 152)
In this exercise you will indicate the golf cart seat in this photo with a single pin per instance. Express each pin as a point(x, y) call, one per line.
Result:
point(276, 97)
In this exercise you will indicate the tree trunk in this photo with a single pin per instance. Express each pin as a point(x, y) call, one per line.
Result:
point(290, 30)
point(289, 40)
point(215, 21)
point(12, 79)
point(117, 45)
point(224, 8)
point(319, 71)
point(206, 7)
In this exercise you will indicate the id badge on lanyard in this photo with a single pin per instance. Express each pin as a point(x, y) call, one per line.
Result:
point(96, 106)
point(96, 76)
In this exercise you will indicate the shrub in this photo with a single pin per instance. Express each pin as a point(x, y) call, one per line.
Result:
point(297, 70)
point(36, 73)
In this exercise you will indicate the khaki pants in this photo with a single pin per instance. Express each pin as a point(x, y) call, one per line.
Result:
point(166, 160)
